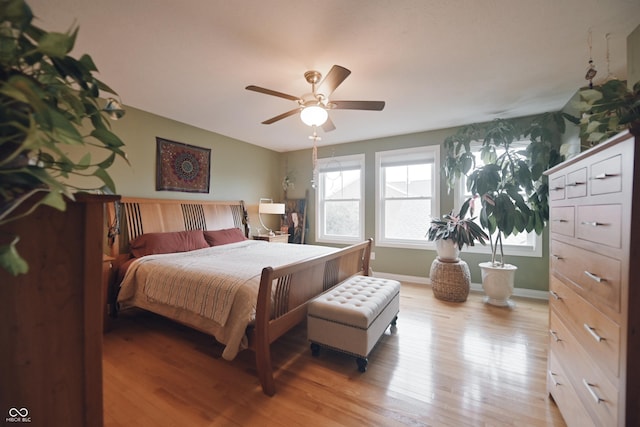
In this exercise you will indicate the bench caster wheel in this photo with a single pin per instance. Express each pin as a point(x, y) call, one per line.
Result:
point(315, 349)
point(394, 325)
point(362, 364)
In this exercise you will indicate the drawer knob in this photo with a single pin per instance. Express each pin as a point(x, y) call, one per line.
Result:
point(594, 277)
point(556, 257)
point(555, 295)
point(557, 188)
point(560, 220)
point(575, 184)
point(592, 332)
point(592, 392)
point(554, 335)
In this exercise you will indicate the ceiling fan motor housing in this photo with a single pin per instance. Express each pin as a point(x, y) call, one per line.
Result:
point(319, 98)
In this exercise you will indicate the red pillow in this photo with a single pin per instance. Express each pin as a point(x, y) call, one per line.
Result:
point(223, 237)
point(164, 243)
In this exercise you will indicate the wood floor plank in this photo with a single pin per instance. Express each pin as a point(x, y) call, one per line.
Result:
point(446, 364)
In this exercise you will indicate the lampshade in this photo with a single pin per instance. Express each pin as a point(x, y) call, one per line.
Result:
point(267, 206)
point(114, 109)
point(271, 208)
point(314, 115)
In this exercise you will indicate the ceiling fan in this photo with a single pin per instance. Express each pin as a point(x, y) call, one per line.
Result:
point(313, 107)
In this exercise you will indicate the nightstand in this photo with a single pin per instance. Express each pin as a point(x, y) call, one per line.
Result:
point(278, 238)
point(107, 267)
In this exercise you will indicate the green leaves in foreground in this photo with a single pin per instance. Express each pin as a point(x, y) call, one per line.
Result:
point(49, 107)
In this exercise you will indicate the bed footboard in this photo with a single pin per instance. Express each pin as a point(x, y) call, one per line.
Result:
point(292, 287)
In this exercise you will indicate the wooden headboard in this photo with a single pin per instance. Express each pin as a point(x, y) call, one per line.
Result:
point(132, 217)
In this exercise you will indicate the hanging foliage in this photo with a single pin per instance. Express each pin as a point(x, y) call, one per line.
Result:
point(49, 103)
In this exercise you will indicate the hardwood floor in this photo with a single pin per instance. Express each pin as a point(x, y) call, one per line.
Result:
point(447, 364)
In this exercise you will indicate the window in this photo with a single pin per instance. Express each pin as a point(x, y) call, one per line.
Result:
point(521, 244)
point(340, 200)
point(407, 195)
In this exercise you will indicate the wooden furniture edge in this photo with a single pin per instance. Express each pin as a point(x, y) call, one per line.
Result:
point(117, 223)
point(268, 329)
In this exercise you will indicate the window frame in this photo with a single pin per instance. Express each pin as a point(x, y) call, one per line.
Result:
point(432, 152)
point(324, 164)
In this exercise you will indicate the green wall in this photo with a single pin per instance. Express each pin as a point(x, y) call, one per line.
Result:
point(239, 171)
point(532, 272)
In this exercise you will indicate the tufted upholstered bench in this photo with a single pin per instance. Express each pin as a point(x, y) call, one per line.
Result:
point(352, 316)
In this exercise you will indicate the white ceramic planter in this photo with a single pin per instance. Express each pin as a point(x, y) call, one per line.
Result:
point(497, 282)
point(447, 250)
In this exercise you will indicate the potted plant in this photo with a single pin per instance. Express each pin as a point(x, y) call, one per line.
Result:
point(453, 231)
point(49, 104)
point(606, 110)
point(510, 186)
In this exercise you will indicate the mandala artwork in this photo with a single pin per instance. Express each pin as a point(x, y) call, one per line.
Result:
point(182, 167)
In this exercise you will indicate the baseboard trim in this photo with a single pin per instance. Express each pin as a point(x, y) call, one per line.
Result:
point(476, 287)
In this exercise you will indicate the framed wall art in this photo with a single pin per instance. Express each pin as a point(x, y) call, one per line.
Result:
point(182, 167)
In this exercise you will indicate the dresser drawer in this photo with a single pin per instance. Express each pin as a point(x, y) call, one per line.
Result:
point(557, 188)
point(600, 224)
point(562, 220)
point(598, 335)
point(606, 176)
point(592, 386)
point(577, 183)
point(596, 276)
point(559, 386)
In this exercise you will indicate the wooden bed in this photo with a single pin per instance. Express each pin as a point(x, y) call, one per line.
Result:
point(283, 290)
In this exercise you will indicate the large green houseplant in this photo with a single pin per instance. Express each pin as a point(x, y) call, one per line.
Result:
point(509, 185)
point(49, 105)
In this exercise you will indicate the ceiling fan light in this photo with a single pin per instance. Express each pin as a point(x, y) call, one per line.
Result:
point(314, 115)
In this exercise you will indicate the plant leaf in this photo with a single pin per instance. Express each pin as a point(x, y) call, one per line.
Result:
point(11, 260)
point(55, 200)
point(55, 45)
point(107, 137)
point(104, 176)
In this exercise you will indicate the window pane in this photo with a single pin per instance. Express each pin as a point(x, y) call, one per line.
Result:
point(341, 185)
point(407, 219)
point(408, 181)
point(518, 239)
point(420, 180)
point(342, 218)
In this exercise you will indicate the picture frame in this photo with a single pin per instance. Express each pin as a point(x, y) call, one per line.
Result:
point(182, 167)
point(294, 220)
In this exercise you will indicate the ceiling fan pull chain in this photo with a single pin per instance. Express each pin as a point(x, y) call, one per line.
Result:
point(314, 159)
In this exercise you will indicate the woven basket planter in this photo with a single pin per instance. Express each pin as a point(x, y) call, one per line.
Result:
point(450, 281)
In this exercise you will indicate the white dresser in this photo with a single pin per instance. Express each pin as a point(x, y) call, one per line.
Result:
point(594, 311)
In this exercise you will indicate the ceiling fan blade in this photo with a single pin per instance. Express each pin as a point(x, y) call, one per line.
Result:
point(358, 105)
point(281, 116)
point(272, 92)
point(328, 126)
point(333, 79)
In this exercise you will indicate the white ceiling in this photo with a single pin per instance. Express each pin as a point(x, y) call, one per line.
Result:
point(436, 63)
